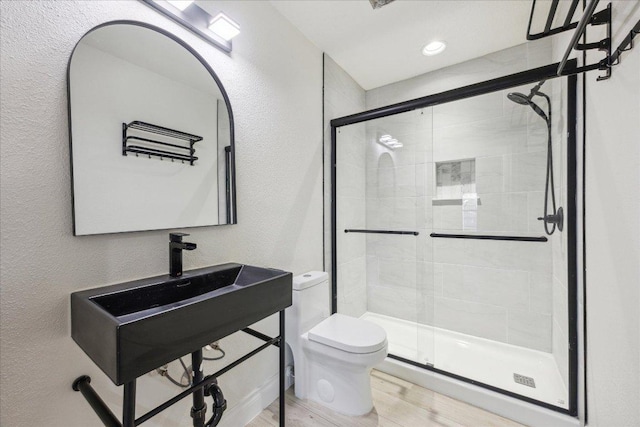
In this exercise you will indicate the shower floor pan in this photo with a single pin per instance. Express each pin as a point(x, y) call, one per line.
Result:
point(485, 361)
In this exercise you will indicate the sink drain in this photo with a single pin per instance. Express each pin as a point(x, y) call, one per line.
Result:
point(524, 380)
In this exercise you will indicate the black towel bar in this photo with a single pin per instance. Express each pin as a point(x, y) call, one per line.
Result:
point(414, 233)
point(489, 237)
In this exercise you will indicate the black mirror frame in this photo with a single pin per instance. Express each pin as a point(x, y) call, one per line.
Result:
point(231, 200)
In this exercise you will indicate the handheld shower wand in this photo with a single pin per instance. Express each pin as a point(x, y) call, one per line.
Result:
point(556, 217)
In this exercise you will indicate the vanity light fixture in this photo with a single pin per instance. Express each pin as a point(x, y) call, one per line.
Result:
point(218, 30)
point(224, 26)
point(434, 48)
point(390, 142)
point(181, 5)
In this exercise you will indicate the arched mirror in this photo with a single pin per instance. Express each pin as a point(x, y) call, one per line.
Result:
point(151, 130)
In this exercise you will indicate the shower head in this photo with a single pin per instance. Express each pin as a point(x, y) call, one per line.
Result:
point(522, 99)
point(519, 98)
point(377, 4)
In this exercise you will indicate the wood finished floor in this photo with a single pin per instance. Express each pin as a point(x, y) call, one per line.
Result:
point(396, 403)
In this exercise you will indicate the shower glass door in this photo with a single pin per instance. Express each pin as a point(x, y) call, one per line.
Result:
point(439, 237)
point(382, 232)
point(495, 317)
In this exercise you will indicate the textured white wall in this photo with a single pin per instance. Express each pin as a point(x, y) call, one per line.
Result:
point(274, 81)
point(612, 234)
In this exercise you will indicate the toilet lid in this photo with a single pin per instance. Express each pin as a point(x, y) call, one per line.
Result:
point(349, 334)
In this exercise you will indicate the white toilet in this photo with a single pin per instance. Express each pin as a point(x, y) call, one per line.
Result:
point(332, 354)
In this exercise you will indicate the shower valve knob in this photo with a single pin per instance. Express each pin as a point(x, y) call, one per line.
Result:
point(557, 219)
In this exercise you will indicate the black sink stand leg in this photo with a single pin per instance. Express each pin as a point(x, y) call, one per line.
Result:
point(199, 408)
point(282, 368)
point(129, 404)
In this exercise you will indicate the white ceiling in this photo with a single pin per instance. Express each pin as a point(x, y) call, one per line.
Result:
point(382, 46)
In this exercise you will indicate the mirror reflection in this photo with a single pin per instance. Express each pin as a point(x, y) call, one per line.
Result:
point(151, 134)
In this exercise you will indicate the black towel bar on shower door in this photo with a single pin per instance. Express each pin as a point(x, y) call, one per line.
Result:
point(489, 237)
point(351, 230)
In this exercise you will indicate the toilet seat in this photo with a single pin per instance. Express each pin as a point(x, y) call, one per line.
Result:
point(349, 334)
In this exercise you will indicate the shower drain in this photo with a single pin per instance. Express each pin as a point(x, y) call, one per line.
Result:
point(524, 380)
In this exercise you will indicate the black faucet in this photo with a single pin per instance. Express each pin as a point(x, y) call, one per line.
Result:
point(176, 246)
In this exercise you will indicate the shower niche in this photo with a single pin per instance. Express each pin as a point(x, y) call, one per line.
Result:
point(479, 292)
point(455, 180)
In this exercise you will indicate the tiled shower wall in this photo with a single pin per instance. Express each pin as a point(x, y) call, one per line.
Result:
point(399, 266)
point(493, 289)
point(343, 96)
point(505, 291)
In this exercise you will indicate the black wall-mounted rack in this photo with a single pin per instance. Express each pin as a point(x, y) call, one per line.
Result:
point(489, 237)
point(625, 45)
point(351, 230)
point(589, 17)
point(567, 23)
point(153, 147)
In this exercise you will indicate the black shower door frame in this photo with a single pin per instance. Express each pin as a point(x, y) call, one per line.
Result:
point(526, 77)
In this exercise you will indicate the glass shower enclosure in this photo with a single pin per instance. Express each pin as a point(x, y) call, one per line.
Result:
point(439, 232)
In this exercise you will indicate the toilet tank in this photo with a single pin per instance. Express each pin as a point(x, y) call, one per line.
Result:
point(311, 301)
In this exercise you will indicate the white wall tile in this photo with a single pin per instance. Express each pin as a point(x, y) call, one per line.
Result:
point(541, 293)
point(397, 273)
point(504, 288)
point(447, 215)
point(481, 320)
point(351, 145)
point(561, 351)
point(535, 206)
point(352, 287)
point(490, 137)
point(489, 174)
point(399, 302)
point(525, 171)
point(349, 246)
point(503, 212)
point(350, 212)
point(350, 181)
point(509, 255)
point(392, 246)
point(468, 110)
point(532, 330)
point(560, 305)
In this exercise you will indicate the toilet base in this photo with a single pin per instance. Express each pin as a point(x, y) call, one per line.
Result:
point(350, 395)
point(338, 380)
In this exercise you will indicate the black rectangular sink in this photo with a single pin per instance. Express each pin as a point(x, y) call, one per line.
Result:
point(132, 328)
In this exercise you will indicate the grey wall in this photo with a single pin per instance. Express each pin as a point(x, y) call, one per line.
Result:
point(343, 96)
point(277, 105)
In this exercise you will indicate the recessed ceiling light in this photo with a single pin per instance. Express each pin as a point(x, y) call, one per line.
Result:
point(180, 4)
point(224, 26)
point(434, 48)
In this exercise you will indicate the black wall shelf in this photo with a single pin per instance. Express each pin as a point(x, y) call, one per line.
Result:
point(183, 150)
point(567, 22)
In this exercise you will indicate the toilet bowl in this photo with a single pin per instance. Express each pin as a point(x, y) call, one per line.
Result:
point(333, 354)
